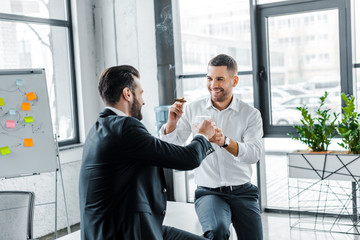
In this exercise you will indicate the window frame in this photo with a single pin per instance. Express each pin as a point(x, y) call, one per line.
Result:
point(67, 24)
point(294, 7)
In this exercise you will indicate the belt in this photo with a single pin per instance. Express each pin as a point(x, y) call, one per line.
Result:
point(227, 188)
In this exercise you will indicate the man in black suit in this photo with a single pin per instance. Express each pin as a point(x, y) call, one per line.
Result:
point(122, 185)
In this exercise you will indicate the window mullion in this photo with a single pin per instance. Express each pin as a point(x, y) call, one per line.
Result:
point(27, 19)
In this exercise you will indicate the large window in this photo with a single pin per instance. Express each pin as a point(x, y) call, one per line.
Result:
point(304, 53)
point(207, 29)
point(304, 62)
point(37, 34)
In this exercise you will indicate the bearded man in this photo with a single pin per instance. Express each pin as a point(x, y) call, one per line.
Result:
point(122, 185)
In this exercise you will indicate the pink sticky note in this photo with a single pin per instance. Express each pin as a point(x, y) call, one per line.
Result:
point(10, 123)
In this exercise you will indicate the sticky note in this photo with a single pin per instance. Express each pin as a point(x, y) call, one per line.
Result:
point(25, 106)
point(5, 150)
point(28, 119)
point(18, 82)
point(2, 103)
point(31, 96)
point(28, 142)
point(10, 123)
point(12, 111)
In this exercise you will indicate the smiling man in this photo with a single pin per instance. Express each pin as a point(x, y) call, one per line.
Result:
point(224, 192)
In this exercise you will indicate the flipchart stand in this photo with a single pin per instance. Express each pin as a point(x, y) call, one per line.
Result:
point(63, 189)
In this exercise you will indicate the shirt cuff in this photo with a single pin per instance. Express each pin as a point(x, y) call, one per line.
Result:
point(241, 151)
point(199, 134)
point(167, 137)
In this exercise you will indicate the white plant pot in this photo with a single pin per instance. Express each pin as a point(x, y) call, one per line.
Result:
point(329, 166)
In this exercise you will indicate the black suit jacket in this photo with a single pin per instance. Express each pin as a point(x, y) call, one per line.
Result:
point(122, 186)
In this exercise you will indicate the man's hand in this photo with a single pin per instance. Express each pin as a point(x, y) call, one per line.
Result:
point(207, 128)
point(175, 112)
point(218, 138)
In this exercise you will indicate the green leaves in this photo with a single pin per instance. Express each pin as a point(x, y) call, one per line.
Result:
point(316, 132)
point(348, 128)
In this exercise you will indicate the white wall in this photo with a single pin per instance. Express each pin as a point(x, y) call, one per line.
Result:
point(99, 42)
point(128, 37)
point(136, 46)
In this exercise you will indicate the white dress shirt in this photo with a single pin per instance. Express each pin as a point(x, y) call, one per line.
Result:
point(117, 111)
point(240, 122)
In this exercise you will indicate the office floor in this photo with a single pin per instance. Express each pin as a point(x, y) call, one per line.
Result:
point(61, 232)
point(275, 226)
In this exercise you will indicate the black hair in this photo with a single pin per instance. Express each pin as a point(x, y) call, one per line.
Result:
point(114, 79)
point(224, 60)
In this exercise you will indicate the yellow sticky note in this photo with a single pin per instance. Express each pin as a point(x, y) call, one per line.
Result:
point(2, 103)
point(5, 150)
point(25, 106)
point(28, 142)
point(28, 119)
point(31, 96)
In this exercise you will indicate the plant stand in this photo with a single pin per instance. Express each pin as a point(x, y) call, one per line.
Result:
point(323, 192)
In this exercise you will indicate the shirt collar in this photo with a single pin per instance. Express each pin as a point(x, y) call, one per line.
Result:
point(234, 105)
point(117, 111)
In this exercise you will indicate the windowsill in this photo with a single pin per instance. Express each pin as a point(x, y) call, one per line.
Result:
point(72, 146)
point(71, 153)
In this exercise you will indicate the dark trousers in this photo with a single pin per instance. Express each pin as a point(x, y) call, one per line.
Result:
point(171, 233)
point(216, 210)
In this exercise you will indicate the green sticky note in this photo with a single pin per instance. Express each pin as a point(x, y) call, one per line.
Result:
point(2, 103)
point(5, 150)
point(28, 119)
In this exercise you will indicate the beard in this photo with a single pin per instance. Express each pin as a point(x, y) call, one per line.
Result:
point(221, 97)
point(135, 110)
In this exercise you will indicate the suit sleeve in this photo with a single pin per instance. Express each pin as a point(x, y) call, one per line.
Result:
point(144, 147)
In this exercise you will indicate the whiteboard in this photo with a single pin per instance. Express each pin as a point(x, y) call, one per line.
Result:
point(27, 144)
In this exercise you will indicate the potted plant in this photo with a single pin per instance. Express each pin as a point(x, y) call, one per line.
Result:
point(349, 127)
point(316, 132)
